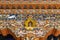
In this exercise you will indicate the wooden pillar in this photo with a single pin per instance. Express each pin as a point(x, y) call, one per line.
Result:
point(0, 31)
point(58, 37)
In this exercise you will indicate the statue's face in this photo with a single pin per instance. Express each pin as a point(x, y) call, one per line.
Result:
point(30, 24)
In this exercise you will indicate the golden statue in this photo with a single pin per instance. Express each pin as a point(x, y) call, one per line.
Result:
point(30, 23)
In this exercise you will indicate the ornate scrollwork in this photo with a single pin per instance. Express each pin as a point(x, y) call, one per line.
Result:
point(39, 24)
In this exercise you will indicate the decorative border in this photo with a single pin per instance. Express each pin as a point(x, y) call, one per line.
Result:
point(40, 29)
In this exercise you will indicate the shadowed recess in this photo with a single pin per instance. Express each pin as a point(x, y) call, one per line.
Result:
point(51, 37)
point(8, 37)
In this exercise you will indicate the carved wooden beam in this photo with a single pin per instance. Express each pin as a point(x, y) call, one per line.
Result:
point(29, 6)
